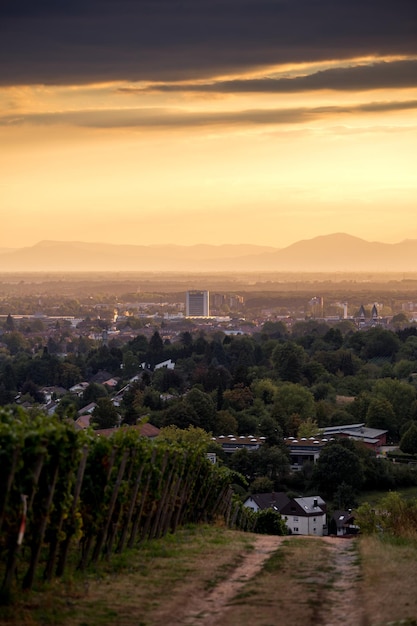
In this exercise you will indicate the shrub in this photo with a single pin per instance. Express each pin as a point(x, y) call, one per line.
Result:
point(270, 522)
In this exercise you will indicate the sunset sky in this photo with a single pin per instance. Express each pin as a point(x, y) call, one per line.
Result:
point(207, 121)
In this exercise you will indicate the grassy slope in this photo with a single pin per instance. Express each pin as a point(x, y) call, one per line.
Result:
point(147, 586)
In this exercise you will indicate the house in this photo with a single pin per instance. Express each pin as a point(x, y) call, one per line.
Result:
point(83, 421)
point(343, 524)
point(78, 389)
point(52, 393)
point(302, 516)
point(87, 409)
point(101, 377)
point(111, 383)
point(169, 364)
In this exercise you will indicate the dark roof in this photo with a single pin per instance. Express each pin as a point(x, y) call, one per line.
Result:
point(359, 431)
point(342, 518)
point(304, 507)
point(101, 377)
point(272, 500)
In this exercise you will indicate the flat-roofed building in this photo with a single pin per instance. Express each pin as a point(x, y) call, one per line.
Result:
point(197, 304)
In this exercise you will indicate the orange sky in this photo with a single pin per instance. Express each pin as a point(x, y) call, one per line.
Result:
point(216, 158)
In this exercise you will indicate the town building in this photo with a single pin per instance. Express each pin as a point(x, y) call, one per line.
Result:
point(373, 438)
point(304, 450)
point(197, 304)
point(231, 443)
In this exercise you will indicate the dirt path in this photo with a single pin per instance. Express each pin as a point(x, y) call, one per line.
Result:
point(340, 596)
point(208, 611)
point(312, 581)
point(343, 601)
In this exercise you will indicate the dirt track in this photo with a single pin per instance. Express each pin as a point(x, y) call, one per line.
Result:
point(341, 601)
point(208, 611)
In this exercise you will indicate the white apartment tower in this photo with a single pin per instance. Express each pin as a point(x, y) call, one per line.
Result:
point(197, 304)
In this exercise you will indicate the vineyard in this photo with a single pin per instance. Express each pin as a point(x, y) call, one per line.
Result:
point(69, 499)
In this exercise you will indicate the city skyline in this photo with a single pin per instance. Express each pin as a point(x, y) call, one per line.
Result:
point(207, 122)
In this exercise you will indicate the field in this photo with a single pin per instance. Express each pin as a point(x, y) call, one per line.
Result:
point(210, 576)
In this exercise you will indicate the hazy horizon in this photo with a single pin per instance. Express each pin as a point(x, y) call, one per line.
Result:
point(173, 244)
point(206, 122)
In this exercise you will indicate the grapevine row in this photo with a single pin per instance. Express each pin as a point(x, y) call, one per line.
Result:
point(69, 499)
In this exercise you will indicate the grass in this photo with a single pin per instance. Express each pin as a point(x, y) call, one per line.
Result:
point(287, 590)
point(142, 586)
point(373, 497)
point(389, 574)
point(297, 584)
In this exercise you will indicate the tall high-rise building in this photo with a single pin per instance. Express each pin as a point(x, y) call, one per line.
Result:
point(197, 304)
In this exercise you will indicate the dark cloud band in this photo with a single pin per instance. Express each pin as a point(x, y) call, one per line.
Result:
point(176, 118)
point(395, 75)
point(79, 42)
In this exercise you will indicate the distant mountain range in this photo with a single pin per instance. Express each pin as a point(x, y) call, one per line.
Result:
point(328, 253)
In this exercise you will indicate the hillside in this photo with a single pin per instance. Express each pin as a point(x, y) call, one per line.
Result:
point(209, 575)
point(337, 253)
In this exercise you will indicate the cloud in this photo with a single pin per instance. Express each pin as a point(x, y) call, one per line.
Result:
point(177, 118)
point(383, 75)
point(80, 42)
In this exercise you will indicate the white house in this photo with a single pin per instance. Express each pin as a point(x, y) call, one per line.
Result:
point(302, 516)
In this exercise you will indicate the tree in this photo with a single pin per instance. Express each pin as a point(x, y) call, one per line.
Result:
point(270, 522)
point(225, 423)
point(93, 392)
point(139, 345)
point(265, 390)
point(275, 330)
point(336, 465)
point(288, 359)
point(131, 363)
point(198, 438)
point(15, 342)
point(333, 338)
point(166, 379)
point(400, 320)
point(186, 339)
point(31, 389)
point(262, 484)
point(380, 414)
point(68, 374)
point(400, 394)
point(292, 400)
point(238, 398)
point(244, 462)
point(404, 368)
point(380, 343)
point(272, 462)
point(345, 496)
point(408, 443)
point(9, 323)
point(156, 345)
point(203, 406)
point(308, 428)
point(181, 415)
point(105, 414)
point(105, 359)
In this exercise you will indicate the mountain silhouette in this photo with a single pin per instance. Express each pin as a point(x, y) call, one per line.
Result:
point(337, 252)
